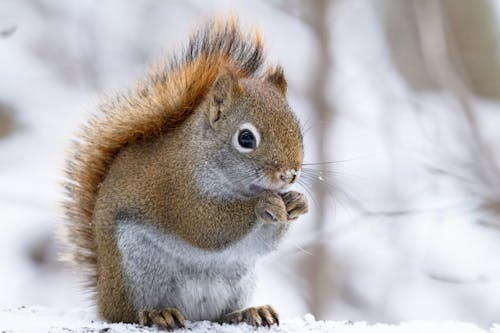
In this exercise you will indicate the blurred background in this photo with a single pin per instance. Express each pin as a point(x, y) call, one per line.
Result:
point(400, 97)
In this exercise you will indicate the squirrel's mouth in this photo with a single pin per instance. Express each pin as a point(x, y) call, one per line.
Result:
point(257, 189)
point(263, 183)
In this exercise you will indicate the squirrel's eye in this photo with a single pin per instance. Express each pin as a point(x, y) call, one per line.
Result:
point(246, 139)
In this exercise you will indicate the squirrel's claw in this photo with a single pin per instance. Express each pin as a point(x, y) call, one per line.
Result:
point(255, 316)
point(296, 204)
point(144, 318)
point(268, 315)
point(167, 319)
point(271, 208)
point(281, 207)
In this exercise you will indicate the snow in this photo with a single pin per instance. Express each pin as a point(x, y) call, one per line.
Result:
point(65, 53)
point(37, 319)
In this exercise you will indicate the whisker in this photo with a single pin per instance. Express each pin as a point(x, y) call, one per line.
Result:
point(333, 176)
point(309, 192)
point(259, 179)
point(301, 249)
point(335, 193)
point(321, 163)
point(249, 178)
point(336, 162)
point(306, 127)
point(321, 174)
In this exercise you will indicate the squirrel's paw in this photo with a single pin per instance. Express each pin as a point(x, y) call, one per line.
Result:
point(255, 316)
point(271, 208)
point(295, 203)
point(166, 319)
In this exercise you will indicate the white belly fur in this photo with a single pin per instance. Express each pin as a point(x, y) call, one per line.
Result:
point(162, 270)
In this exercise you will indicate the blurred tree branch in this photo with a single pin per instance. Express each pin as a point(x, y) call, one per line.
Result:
point(7, 32)
point(7, 123)
point(473, 32)
point(439, 49)
point(400, 23)
point(319, 275)
point(315, 15)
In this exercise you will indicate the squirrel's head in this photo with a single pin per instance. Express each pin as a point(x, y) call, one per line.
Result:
point(252, 138)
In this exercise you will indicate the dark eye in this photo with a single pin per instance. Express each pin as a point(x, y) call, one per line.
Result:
point(246, 139)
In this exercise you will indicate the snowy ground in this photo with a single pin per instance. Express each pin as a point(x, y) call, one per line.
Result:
point(24, 320)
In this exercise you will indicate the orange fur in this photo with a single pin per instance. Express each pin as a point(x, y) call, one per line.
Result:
point(161, 101)
point(277, 77)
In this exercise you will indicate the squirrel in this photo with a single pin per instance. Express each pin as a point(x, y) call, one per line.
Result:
point(176, 187)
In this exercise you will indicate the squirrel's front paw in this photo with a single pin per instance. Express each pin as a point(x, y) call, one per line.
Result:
point(295, 203)
point(271, 208)
point(166, 319)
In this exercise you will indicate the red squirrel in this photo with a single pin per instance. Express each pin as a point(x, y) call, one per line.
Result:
point(176, 187)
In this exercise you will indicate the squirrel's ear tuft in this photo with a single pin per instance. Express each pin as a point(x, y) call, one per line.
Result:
point(277, 77)
point(225, 88)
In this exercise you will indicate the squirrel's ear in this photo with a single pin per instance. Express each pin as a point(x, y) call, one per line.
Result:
point(277, 78)
point(225, 88)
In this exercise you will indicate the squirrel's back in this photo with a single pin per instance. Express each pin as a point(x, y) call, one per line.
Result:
point(162, 100)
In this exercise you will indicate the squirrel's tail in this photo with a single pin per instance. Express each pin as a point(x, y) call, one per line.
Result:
point(160, 101)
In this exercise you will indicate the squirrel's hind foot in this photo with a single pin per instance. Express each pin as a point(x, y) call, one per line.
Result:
point(255, 316)
point(166, 319)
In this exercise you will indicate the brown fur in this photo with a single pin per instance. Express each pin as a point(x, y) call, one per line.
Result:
point(143, 133)
point(141, 179)
point(277, 78)
point(161, 101)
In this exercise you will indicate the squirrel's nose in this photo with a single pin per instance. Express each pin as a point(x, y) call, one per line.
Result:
point(289, 176)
